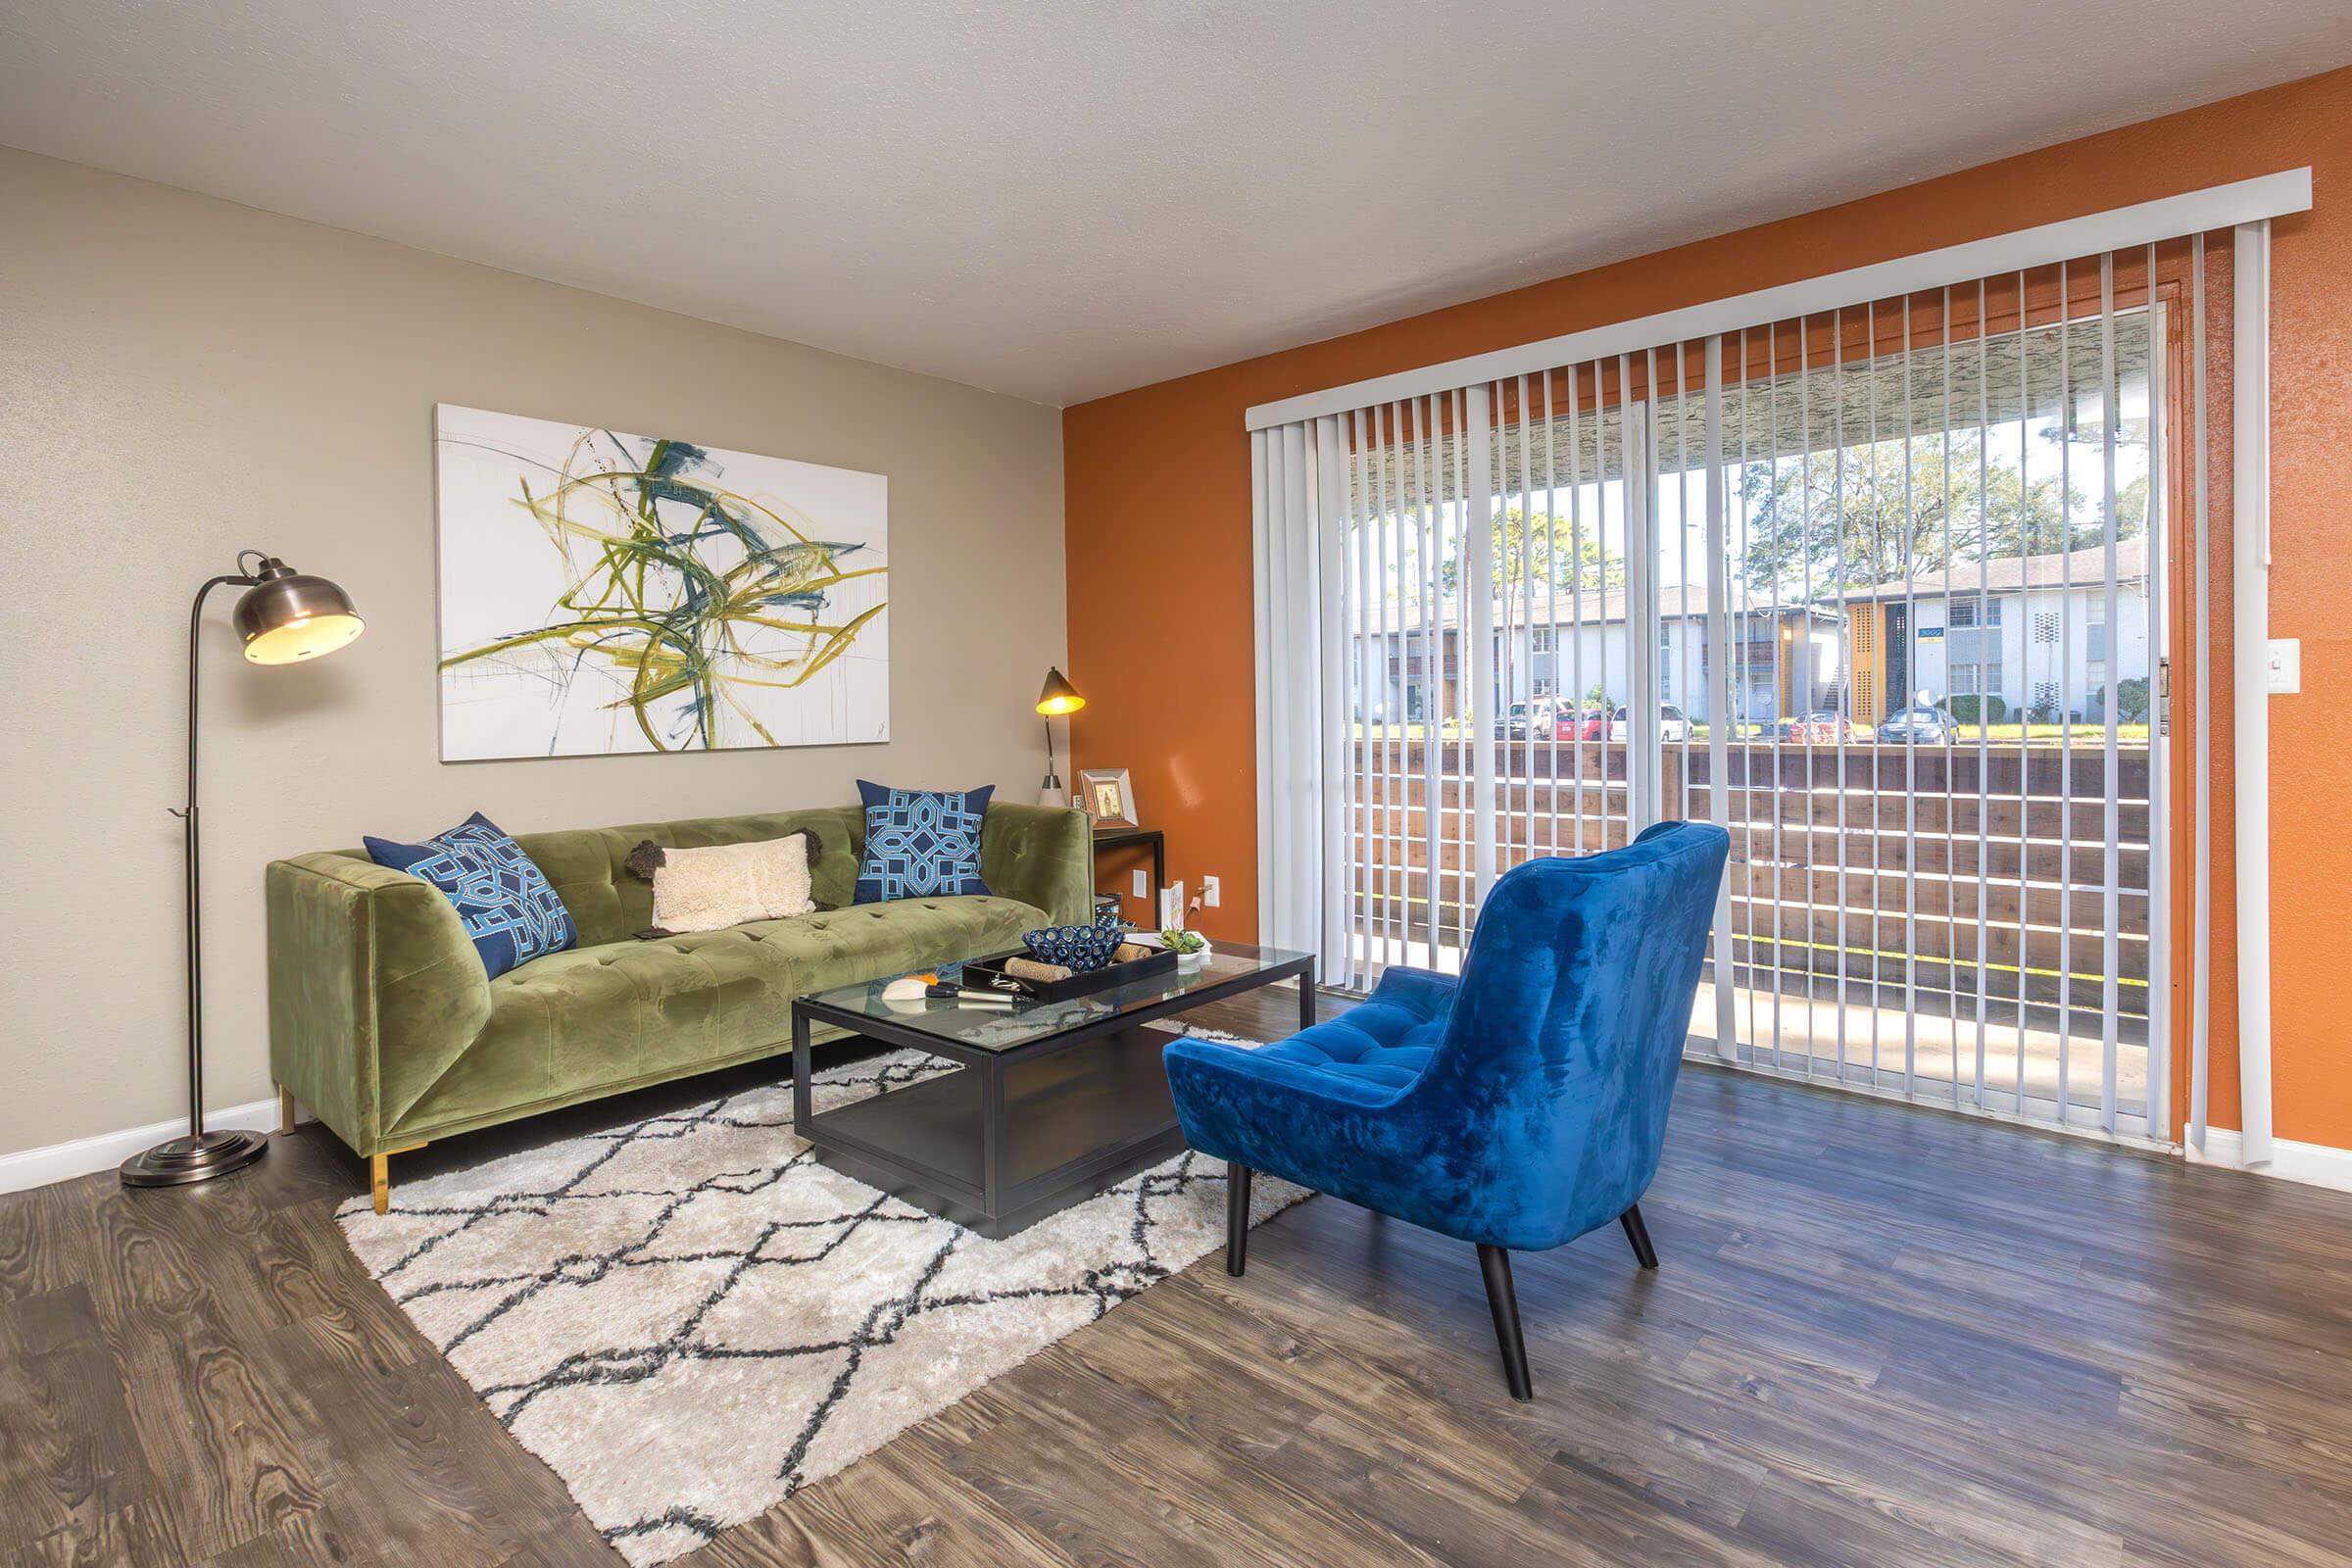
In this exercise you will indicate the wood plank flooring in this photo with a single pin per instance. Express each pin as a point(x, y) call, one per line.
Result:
point(1879, 1336)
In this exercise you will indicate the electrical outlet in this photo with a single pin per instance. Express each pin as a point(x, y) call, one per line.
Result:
point(1211, 893)
point(1143, 886)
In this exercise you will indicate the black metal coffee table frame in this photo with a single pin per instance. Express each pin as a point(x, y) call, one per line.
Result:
point(1022, 1131)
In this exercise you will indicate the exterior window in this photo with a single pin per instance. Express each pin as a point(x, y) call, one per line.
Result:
point(1967, 613)
point(1540, 640)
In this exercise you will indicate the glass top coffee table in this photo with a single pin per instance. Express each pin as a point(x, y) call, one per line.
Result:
point(1055, 1102)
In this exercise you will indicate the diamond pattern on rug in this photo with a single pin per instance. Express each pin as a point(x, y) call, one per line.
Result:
point(689, 1318)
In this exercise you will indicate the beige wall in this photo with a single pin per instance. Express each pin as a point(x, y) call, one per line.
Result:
point(180, 377)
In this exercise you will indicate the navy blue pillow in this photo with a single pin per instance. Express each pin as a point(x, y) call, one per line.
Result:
point(510, 910)
point(920, 842)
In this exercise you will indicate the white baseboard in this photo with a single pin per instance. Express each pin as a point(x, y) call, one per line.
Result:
point(60, 1162)
point(2317, 1164)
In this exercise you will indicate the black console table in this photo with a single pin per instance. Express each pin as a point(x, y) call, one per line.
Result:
point(1114, 838)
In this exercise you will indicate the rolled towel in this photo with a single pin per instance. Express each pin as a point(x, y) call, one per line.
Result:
point(1129, 951)
point(1031, 969)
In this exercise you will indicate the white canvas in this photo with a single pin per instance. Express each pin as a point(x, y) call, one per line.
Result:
point(602, 592)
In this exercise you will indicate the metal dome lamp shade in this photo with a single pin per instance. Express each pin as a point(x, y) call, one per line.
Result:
point(1058, 697)
point(286, 618)
point(288, 615)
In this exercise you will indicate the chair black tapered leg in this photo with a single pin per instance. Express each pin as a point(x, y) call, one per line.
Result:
point(1237, 1219)
point(1504, 1302)
point(1638, 1234)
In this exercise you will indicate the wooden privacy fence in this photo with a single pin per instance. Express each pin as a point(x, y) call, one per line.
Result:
point(1847, 868)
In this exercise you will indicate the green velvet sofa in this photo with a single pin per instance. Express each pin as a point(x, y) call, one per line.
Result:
point(382, 1022)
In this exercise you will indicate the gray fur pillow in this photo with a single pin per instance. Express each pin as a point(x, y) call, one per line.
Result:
point(712, 888)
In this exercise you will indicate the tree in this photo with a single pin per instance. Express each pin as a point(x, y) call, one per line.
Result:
point(1849, 526)
point(1553, 557)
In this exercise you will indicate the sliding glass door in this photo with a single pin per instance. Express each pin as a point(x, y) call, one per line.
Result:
point(1885, 590)
point(1943, 532)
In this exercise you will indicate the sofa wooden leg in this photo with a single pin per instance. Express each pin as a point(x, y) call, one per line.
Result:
point(1638, 1234)
point(286, 1109)
point(1504, 1303)
point(1237, 1219)
point(379, 1175)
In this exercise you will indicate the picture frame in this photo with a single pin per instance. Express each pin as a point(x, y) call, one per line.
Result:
point(1108, 796)
point(573, 563)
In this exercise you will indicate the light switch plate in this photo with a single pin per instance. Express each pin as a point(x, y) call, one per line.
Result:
point(2287, 665)
point(1143, 885)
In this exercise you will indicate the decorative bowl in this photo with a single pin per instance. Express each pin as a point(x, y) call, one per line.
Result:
point(1079, 948)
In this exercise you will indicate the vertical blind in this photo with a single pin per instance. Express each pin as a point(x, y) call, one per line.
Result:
point(1534, 612)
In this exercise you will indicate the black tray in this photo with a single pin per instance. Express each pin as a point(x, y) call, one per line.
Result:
point(982, 974)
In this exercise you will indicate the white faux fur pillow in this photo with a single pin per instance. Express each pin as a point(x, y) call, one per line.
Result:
point(712, 889)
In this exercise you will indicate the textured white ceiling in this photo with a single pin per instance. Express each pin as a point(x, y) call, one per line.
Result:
point(1065, 198)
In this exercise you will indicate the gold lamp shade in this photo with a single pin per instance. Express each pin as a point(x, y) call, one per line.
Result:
point(287, 616)
point(1058, 696)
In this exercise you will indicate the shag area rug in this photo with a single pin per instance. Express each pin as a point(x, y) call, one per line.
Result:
point(690, 1318)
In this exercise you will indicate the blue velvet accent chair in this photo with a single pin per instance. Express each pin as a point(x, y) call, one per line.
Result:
point(1516, 1108)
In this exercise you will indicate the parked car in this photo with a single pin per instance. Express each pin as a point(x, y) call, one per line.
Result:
point(1579, 723)
point(1591, 724)
point(1526, 719)
point(1920, 727)
point(1822, 727)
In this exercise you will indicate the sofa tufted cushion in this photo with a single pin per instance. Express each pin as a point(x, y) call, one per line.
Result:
point(589, 866)
point(625, 1011)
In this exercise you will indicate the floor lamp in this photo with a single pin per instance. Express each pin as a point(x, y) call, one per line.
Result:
point(284, 619)
point(1058, 697)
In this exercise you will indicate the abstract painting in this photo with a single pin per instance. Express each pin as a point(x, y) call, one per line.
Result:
point(603, 592)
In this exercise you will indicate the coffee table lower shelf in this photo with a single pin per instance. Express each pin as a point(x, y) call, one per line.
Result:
point(1001, 1143)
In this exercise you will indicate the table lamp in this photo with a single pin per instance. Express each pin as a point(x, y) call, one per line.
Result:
point(1058, 697)
point(284, 619)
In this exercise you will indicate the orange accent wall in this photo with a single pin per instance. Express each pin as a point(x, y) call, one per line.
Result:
point(1156, 488)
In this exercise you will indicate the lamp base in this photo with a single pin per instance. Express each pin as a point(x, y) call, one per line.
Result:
point(177, 1161)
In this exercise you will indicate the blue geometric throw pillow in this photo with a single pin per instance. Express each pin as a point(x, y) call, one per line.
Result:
point(510, 910)
point(921, 843)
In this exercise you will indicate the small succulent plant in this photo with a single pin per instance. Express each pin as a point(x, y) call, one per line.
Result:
point(1183, 941)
